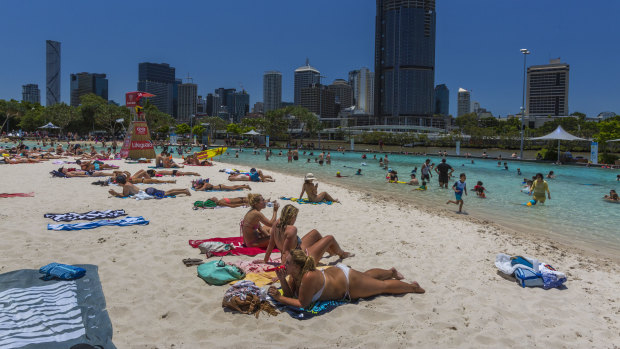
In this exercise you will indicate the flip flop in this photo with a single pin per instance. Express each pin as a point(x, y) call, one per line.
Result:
point(192, 261)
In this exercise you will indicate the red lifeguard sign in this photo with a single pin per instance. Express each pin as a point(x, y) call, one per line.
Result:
point(137, 142)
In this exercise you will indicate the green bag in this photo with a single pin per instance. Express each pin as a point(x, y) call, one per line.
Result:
point(219, 273)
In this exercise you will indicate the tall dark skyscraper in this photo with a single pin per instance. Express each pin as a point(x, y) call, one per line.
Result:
point(442, 100)
point(85, 83)
point(52, 72)
point(404, 61)
point(31, 93)
point(305, 76)
point(159, 79)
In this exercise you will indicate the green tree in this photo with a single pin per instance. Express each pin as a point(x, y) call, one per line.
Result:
point(198, 130)
point(156, 119)
point(277, 123)
point(258, 124)
point(107, 114)
point(467, 121)
point(11, 110)
point(61, 115)
point(233, 128)
point(88, 109)
point(33, 119)
point(608, 129)
point(183, 129)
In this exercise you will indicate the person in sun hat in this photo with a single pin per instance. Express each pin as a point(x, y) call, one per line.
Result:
point(310, 188)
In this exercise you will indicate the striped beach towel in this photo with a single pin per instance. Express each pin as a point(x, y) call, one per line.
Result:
point(52, 314)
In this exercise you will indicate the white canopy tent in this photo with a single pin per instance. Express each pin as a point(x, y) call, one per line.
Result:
point(560, 135)
point(252, 133)
point(49, 125)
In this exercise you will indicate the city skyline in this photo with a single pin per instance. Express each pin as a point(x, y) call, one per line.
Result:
point(482, 56)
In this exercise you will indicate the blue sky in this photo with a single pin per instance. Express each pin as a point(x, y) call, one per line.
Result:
point(231, 43)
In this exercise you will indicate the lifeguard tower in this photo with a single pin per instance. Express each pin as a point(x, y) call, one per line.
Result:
point(137, 142)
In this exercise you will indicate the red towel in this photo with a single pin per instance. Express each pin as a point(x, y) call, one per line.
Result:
point(13, 195)
point(238, 246)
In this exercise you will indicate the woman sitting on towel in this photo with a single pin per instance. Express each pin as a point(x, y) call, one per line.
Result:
point(311, 189)
point(254, 234)
point(284, 237)
point(307, 285)
point(203, 185)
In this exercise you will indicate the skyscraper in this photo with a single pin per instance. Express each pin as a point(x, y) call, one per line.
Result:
point(305, 76)
point(158, 79)
point(343, 93)
point(188, 96)
point(464, 102)
point(52, 72)
point(240, 105)
point(547, 89)
point(363, 84)
point(442, 100)
point(404, 61)
point(85, 83)
point(319, 100)
point(31, 93)
point(272, 90)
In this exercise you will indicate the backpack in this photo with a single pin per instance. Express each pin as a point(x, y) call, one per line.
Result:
point(528, 278)
point(61, 271)
point(219, 273)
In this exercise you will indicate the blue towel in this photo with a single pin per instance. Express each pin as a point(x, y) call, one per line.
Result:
point(95, 224)
point(305, 201)
point(315, 309)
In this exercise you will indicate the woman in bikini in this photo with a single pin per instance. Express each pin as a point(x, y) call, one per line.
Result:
point(153, 173)
point(311, 189)
point(307, 285)
point(203, 185)
point(255, 235)
point(284, 237)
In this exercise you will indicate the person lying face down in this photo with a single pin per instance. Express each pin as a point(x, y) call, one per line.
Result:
point(307, 284)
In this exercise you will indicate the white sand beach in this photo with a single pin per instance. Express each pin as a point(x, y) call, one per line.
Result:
point(154, 301)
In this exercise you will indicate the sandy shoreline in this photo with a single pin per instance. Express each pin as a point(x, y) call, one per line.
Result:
point(156, 302)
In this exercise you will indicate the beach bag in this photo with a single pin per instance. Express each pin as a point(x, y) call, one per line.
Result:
point(528, 278)
point(219, 273)
point(61, 271)
point(246, 298)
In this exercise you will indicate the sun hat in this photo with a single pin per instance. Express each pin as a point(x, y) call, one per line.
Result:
point(390, 169)
point(309, 177)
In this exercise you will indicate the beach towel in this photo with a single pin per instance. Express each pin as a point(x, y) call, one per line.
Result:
point(238, 248)
point(56, 173)
point(260, 279)
point(89, 216)
point(53, 314)
point(305, 201)
point(16, 195)
point(257, 265)
point(551, 277)
point(127, 221)
point(314, 309)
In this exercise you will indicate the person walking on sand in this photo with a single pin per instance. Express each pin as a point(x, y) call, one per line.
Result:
point(459, 188)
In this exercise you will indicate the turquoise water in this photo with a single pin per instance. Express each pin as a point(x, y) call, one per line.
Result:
point(576, 213)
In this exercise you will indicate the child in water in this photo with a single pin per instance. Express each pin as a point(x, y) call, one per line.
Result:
point(422, 187)
point(359, 172)
point(459, 188)
point(480, 190)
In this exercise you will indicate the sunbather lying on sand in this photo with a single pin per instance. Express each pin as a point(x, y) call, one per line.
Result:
point(153, 173)
point(80, 173)
point(14, 161)
point(130, 189)
point(284, 237)
point(139, 177)
point(254, 176)
point(230, 202)
point(255, 234)
point(307, 284)
point(93, 166)
point(203, 185)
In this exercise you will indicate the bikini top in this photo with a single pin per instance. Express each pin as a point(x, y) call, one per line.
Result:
point(320, 292)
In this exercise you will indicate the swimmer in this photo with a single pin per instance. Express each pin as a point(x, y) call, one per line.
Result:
point(339, 175)
point(612, 197)
point(413, 181)
point(550, 175)
point(518, 172)
point(359, 172)
point(480, 190)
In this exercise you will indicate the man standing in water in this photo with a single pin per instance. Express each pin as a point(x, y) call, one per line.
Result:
point(444, 170)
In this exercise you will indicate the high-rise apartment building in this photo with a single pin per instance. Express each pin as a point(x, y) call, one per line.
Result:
point(362, 82)
point(159, 79)
point(52, 72)
point(272, 90)
point(319, 100)
point(226, 99)
point(31, 93)
point(404, 61)
point(464, 102)
point(305, 76)
point(442, 100)
point(211, 102)
point(259, 108)
point(188, 96)
point(547, 89)
point(343, 93)
point(85, 83)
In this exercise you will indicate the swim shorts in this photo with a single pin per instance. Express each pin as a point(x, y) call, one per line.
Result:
point(459, 196)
